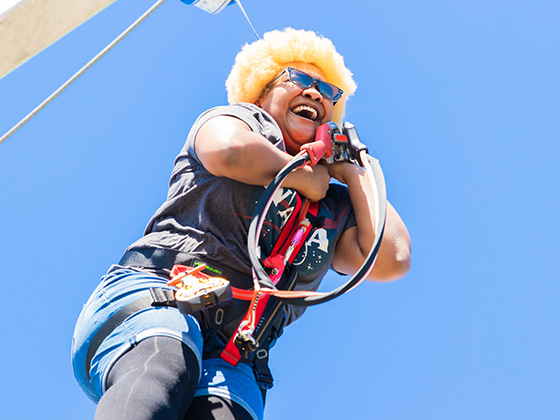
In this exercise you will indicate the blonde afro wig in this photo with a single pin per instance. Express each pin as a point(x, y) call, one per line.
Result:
point(260, 62)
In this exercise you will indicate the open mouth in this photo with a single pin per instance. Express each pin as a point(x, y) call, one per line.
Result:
point(305, 111)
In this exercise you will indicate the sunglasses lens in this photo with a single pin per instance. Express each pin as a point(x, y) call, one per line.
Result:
point(305, 81)
point(299, 78)
point(327, 90)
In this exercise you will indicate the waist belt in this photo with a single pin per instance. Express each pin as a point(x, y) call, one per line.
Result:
point(167, 258)
point(211, 319)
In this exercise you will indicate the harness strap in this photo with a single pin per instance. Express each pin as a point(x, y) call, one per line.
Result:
point(269, 308)
point(262, 372)
point(272, 314)
point(167, 258)
point(158, 297)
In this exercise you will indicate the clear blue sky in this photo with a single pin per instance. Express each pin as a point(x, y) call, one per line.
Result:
point(460, 102)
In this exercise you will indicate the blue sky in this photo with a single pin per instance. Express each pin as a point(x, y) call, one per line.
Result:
point(460, 102)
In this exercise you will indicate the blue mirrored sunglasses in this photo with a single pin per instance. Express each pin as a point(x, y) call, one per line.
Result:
point(305, 81)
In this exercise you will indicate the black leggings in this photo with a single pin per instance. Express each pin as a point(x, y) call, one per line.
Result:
point(156, 380)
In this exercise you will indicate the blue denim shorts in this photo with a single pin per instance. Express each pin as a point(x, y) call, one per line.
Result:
point(119, 288)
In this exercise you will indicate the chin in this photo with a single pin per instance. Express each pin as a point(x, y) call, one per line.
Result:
point(293, 148)
point(304, 136)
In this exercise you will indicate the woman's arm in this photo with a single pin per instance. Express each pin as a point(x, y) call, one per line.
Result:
point(227, 147)
point(393, 260)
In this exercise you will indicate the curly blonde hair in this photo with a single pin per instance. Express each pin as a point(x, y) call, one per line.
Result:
point(261, 61)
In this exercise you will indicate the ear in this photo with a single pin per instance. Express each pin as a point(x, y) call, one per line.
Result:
point(258, 102)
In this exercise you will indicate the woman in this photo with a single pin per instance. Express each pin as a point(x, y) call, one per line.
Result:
point(147, 360)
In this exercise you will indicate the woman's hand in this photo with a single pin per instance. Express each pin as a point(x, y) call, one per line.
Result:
point(227, 147)
point(310, 181)
point(342, 171)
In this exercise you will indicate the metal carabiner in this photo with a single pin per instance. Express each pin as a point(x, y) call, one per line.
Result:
point(244, 338)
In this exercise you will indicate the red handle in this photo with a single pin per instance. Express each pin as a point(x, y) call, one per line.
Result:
point(322, 145)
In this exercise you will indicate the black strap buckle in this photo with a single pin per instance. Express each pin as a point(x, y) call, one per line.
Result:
point(163, 297)
point(262, 371)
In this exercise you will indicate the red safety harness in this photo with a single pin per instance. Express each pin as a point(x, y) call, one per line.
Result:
point(272, 284)
point(292, 238)
point(264, 320)
point(216, 304)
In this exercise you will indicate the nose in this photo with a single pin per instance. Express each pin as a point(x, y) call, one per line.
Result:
point(313, 93)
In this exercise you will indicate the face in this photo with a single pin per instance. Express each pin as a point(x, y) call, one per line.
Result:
point(297, 111)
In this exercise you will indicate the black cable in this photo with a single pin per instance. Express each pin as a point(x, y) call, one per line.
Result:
point(260, 213)
point(262, 208)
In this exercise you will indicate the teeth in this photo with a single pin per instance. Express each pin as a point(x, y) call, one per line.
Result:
point(305, 111)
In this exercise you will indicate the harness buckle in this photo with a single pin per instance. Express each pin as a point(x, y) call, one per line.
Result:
point(196, 290)
point(162, 297)
point(244, 340)
point(264, 380)
point(262, 371)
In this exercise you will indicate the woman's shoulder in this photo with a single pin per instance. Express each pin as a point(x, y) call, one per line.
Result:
point(241, 110)
point(256, 118)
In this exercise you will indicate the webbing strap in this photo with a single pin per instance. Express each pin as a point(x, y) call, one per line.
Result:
point(231, 353)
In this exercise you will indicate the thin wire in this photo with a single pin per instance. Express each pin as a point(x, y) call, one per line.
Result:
point(247, 17)
point(72, 79)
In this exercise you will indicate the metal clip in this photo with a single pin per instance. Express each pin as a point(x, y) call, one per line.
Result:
point(244, 338)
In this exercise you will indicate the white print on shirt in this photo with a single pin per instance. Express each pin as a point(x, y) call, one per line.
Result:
point(218, 379)
point(317, 241)
point(284, 194)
